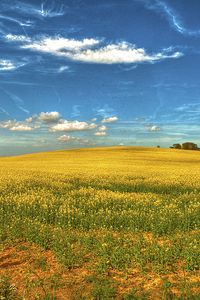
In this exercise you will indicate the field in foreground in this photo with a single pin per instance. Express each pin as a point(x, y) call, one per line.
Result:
point(105, 223)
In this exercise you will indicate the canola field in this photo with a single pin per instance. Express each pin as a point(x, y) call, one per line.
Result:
point(120, 222)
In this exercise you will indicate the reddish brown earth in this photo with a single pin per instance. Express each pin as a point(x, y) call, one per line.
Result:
point(35, 272)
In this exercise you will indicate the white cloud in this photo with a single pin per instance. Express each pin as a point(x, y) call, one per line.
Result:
point(72, 126)
point(109, 120)
point(59, 45)
point(154, 128)
point(7, 124)
point(120, 53)
point(66, 138)
point(21, 127)
point(63, 69)
point(17, 38)
point(50, 121)
point(49, 117)
point(91, 50)
point(100, 133)
point(94, 119)
point(13, 125)
point(29, 120)
point(102, 128)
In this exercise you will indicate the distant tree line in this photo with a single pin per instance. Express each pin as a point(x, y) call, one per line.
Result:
point(185, 146)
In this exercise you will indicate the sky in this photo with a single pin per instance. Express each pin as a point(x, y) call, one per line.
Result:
point(87, 73)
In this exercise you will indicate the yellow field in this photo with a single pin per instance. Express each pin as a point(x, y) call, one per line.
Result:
point(106, 223)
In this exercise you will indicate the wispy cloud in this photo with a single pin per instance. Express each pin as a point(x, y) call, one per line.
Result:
point(182, 115)
point(105, 112)
point(188, 113)
point(57, 94)
point(51, 10)
point(92, 50)
point(75, 111)
point(127, 68)
point(17, 101)
point(24, 109)
point(171, 15)
point(47, 8)
point(8, 65)
point(23, 83)
point(3, 111)
point(190, 108)
point(14, 20)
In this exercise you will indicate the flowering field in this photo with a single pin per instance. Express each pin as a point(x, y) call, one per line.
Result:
point(104, 223)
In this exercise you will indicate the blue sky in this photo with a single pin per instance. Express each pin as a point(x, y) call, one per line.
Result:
point(84, 73)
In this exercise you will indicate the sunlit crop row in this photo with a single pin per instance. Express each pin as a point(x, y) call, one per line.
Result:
point(124, 190)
